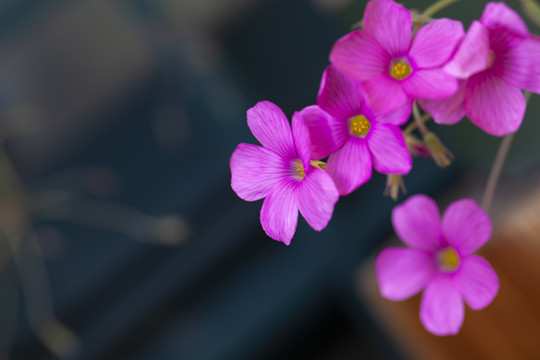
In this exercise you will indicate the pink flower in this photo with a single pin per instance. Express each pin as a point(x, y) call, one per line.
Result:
point(440, 260)
point(280, 171)
point(395, 68)
point(497, 58)
point(357, 138)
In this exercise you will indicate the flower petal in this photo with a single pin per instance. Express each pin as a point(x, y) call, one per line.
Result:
point(254, 170)
point(340, 95)
point(448, 111)
point(360, 56)
point(442, 309)
point(433, 84)
point(417, 223)
point(350, 166)
point(466, 226)
point(402, 272)
point(396, 117)
point(387, 145)
point(477, 282)
point(520, 65)
point(317, 194)
point(271, 127)
point(498, 14)
point(472, 55)
point(506, 28)
point(385, 94)
point(493, 105)
point(390, 24)
point(435, 42)
point(302, 141)
point(327, 133)
point(279, 212)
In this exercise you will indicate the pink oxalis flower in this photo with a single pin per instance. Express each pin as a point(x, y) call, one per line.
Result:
point(439, 260)
point(397, 68)
point(497, 58)
point(344, 126)
point(281, 172)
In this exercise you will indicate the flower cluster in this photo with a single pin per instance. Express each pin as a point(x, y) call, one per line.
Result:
point(378, 76)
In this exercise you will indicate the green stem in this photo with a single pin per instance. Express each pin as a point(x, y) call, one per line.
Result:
point(496, 169)
point(436, 7)
point(418, 119)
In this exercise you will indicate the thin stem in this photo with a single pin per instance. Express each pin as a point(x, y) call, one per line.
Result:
point(410, 128)
point(496, 171)
point(418, 120)
point(438, 6)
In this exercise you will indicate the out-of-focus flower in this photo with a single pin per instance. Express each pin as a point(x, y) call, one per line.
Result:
point(497, 58)
point(281, 172)
point(397, 69)
point(439, 260)
point(344, 126)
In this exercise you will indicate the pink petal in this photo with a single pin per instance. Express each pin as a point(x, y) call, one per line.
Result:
point(396, 117)
point(472, 55)
point(466, 226)
point(271, 127)
point(498, 14)
point(477, 282)
point(493, 105)
point(279, 212)
point(317, 194)
point(442, 309)
point(327, 133)
point(302, 140)
point(448, 111)
point(360, 56)
point(506, 28)
point(340, 95)
point(385, 93)
point(520, 65)
point(350, 166)
point(417, 223)
point(388, 149)
point(434, 84)
point(402, 272)
point(254, 170)
point(390, 24)
point(435, 42)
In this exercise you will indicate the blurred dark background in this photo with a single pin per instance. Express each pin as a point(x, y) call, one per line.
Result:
point(119, 118)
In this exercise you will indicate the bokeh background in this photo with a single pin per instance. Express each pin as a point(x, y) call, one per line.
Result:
point(118, 119)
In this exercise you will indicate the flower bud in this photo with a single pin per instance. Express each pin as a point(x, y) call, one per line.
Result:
point(416, 146)
point(439, 152)
point(393, 184)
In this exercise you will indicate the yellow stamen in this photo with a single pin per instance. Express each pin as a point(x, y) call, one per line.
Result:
point(400, 69)
point(359, 125)
point(448, 259)
point(298, 169)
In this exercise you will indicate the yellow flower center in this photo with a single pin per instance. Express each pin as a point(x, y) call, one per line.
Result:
point(448, 259)
point(400, 69)
point(298, 169)
point(359, 126)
